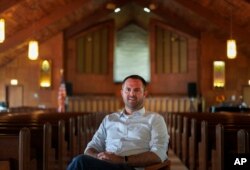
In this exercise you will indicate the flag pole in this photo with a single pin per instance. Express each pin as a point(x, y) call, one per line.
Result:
point(62, 93)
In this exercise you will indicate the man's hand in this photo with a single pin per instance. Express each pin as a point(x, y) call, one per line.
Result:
point(111, 157)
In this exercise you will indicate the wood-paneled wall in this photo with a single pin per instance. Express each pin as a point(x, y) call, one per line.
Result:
point(202, 52)
point(172, 65)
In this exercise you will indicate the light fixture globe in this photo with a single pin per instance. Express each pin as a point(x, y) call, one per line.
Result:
point(231, 49)
point(33, 50)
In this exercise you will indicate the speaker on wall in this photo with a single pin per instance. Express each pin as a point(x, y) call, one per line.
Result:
point(69, 88)
point(192, 91)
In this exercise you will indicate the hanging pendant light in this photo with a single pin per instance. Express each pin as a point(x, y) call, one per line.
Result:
point(231, 49)
point(231, 43)
point(33, 46)
point(2, 30)
point(33, 50)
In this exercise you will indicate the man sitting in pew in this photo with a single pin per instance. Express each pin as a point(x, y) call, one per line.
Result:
point(129, 140)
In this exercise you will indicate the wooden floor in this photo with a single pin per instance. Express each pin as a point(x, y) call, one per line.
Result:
point(176, 163)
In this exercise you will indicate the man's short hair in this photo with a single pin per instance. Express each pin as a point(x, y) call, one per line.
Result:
point(134, 76)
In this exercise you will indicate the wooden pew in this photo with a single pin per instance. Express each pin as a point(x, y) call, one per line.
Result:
point(73, 132)
point(35, 121)
point(243, 141)
point(184, 141)
point(203, 148)
point(197, 142)
point(63, 152)
point(212, 118)
point(219, 141)
point(73, 147)
point(13, 123)
point(57, 156)
point(49, 155)
point(15, 151)
point(64, 155)
point(221, 150)
point(30, 109)
point(192, 147)
point(218, 152)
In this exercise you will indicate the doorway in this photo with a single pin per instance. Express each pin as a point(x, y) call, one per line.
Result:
point(14, 95)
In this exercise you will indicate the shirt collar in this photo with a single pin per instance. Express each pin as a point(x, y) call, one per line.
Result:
point(135, 113)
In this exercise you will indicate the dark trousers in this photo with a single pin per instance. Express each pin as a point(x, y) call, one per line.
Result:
point(85, 162)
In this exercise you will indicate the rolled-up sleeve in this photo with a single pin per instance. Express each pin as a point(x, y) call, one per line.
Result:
point(159, 137)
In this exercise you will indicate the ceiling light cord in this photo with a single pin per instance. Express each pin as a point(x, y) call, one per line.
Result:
point(231, 23)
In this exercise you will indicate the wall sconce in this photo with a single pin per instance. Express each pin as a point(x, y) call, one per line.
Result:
point(33, 50)
point(219, 74)
point(45, 73)
point(2, 30)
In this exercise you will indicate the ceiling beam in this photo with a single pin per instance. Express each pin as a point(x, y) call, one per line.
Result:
point(248, 1)
point(57, 14)
point(4, 5)
point(172, 19)
point(219, 22)
point(92, 19)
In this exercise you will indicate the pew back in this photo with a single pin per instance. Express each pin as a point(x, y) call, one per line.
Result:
point(15, 151)
point(194, 137)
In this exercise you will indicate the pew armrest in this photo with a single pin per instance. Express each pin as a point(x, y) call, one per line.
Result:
point(159, 166)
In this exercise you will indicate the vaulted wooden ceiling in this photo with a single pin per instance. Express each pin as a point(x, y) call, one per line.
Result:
point(42, 19)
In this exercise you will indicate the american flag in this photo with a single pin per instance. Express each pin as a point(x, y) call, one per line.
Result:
point(62, 95)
